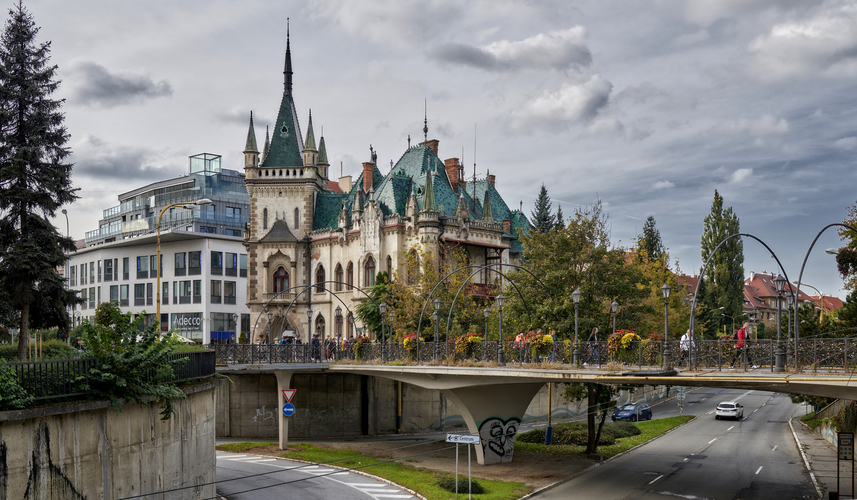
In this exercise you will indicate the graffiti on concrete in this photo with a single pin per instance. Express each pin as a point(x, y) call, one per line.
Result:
point(264, 417)
point(498, 439)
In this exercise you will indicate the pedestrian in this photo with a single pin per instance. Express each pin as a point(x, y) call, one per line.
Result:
point(553, 349)
point(519, 346)
point(684, 345)
point(593, 348)
point(316, 348)
point(741, 342)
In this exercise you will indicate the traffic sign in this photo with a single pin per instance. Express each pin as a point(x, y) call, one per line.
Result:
point(79, 342)
point(462, 438)
point(289, 394)
point(288, 409)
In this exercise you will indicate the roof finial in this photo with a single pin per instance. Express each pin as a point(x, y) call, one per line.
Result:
point(425, 121)
point(409, 141)
point(287, 72)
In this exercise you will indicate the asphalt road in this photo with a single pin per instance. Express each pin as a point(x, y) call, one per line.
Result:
point(753, 458)
point(282, 478)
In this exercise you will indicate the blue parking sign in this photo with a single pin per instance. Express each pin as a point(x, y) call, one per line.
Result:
point(288, 409)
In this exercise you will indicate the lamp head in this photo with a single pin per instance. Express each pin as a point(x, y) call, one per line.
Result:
point(790, 299)
point(831, 251)
point(64, 211)
point(486, 312)
point(615, 307)
point(309, 314)
point(500, 300)
point(576, 295)
point(338, 311)
point(383, 308)
point(235, 317)
point(270, 315)
point(665, 290)
point(780, 283)
point(203, 201)
point(436, 304)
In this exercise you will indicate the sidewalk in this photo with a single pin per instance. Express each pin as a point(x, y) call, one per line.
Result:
point(820, 457)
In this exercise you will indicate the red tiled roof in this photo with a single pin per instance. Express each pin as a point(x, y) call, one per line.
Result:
point(829, 303)
point(333, 186)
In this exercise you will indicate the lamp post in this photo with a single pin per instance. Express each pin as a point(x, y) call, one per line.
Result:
point(665, 290)
point(338, 312)
point(615, 307)
point(235, 319)
point(789, 301)
point(382, 307)
point(68, 335)
point(486, 312)
point(434, 316)
point(270, 320)
point(575, 353)
point(779, 367)
point(501, 354)
point(390, 326)
point(200, 202)
point(309, 332)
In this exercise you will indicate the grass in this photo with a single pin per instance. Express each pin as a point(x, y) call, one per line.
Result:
point(810, 420)
point(422, 481)
point(650, 430)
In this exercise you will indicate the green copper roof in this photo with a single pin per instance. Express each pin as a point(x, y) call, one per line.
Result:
point(251, 137)
point(267, 146)
point(327, 207)
point(286, 144)
point(486, 209)
point(428, 196)
point(322, 153)
point(310, 136)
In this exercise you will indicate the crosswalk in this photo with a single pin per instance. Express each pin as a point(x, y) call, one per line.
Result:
point(376, 489)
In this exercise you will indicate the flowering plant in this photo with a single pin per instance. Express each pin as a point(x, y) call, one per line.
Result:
point(411, 341)
point(542, 344)
point(464, 344)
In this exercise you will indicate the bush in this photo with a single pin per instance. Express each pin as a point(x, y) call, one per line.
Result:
point(624, 429)
point(576, 433)
point(242, 339)
point(51, 349)
point(448, 483)
point(12, 395)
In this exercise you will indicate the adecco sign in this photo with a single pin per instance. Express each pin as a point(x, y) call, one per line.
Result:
point(188, 324)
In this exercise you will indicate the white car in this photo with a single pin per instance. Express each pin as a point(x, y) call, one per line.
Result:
point(729, 409)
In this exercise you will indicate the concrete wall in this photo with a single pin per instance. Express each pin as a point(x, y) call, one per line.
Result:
point(88, 451)
point(340, 405)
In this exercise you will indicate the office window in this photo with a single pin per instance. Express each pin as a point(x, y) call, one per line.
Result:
point(194, 263)
point(108, 270)
point(123, 295)
point(153, 265)
point(126, 268)
point(92, 272)
point(72, 276)
point(114, 294)
point(215, 291)
point(233, 232)
point(337, 275)
point(206, 211)
point(149, 293)
point(231, 264)
point(208, 229)
point(180, 268)
point(83, 297)
point(92, 298)
point(184, 292)
point(99, 271)
point(369, 272)
point(242, 265)
point(217, 263)
point(83, 274)
point(197, 291)
point(165, 295)
point(143, 267)
point(99, 295)
point(229, 292)
point(233, 213)
point(319, 279)
point(140, 294)
point(175, 292)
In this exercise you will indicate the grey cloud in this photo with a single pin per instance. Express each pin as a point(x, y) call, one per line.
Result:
point(98, 161)
point(94, 85)
point(466, 55)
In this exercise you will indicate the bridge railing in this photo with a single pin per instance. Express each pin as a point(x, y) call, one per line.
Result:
point(824, 354)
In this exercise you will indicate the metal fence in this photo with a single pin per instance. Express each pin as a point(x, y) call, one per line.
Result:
point(70, 378)
point(808, 354)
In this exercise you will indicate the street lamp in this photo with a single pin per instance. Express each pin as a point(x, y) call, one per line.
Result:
point(68, 335)
point(338, 312)
point(615, 307)
point(486, 312)
point(501, 354)
point(390, 326)
point(575, 353)
point(780, 283)
point(665, 290)
point(789, 302)
point(434, 316)
point(382, 307)
point(200, 202)
point(235, 319)
point(270, 321)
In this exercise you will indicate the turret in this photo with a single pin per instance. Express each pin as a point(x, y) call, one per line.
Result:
point(251, 151)
point(321, 161)
point(309, 152)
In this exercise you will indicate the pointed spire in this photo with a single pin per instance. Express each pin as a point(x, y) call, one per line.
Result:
point(310, 136)
point(425, 121)
point(250, 146)
point(287, 71)
point(486, 208)
point(267, 146)
point(428, 197)
point(322, 152)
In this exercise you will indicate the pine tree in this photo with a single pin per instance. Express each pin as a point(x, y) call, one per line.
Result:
point(650, 241)
point(560, 223)
point(725, 274)
point(35, 180)
point(543, 219)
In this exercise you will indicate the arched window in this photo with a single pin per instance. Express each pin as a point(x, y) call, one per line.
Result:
point(297, 219)
point(337, 275)
point(390, 266)
point(369, 272)
point(319, 279)
point(265, 219)
point(349, 276)
point(319, 327)
point(281, 280)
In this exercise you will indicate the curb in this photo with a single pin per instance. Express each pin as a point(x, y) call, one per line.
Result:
point(806, 462)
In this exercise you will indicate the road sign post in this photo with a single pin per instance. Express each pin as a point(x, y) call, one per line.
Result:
point(845, 452)
point(465, 439)
point(288, 409)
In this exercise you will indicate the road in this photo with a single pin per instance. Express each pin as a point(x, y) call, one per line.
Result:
point(276, 479)
point(706, 459)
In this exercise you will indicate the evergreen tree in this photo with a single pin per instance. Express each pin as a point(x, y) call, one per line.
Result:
point(35, 180)
point(560, 222)
point(650, 241)
point(725, 273)
point(543, 219)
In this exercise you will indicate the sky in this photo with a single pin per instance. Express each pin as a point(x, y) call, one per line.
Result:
point(648, 106)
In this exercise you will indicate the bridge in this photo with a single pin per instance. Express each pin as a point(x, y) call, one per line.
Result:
point(492, 399)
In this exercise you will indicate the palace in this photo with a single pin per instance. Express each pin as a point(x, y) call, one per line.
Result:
point(308, 231)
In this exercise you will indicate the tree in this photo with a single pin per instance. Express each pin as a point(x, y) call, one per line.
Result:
point(846, 257)
point(650, 241)
point(725, 274)
point(35, 180)
point(560, 222)
point(543, 219)
point(367, 311)
point(600, 399)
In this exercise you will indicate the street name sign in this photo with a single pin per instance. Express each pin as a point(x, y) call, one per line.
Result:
point(462, 438)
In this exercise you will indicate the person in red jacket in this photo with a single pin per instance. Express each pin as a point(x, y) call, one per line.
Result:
point(741, 340)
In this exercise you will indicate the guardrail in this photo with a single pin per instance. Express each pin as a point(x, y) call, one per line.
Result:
point(45, 380)
point(827, 354)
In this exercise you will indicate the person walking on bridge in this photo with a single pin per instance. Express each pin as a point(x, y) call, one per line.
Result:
point(741, 342)
point(593, 348)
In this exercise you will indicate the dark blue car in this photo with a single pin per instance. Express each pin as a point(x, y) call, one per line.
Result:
point(632, 412)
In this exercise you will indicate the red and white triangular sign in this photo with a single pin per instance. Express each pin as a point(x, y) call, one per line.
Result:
point(289, 394)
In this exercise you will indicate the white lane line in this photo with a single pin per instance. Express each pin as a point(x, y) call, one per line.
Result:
point(243, 459)
point(729, 429)
point(230, 455)
point(655, 479)
point(759, 469)
point(393, 496)
point(775, 448)
point(264, 460)
point(713, 440)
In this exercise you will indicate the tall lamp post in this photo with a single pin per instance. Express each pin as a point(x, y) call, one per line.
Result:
point(434, 316)
point(235, 319)
point(486, 312)
point(615, 307)
point(789, 302)
point(390, 326)
point(501, 354)
point(575, 353)
point(382, 307)
point(68, 335)
point(780, 283)
point(338, 312)
point(665, 290)
point(187, 205)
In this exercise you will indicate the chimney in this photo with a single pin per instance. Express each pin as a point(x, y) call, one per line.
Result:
point(491, 179)
point(345, 183)
point(451, 167)
point(432, 144)
point(368, 168)
point(752, 275)
point(507, 226)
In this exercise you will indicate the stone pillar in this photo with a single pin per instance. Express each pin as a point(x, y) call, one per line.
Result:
point(284, 380)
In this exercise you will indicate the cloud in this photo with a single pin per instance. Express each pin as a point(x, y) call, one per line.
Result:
point(824, 42)
point(846, 143)
point(556, 110)
point(609, 126)
point(691, 38)
point(706, 12)
point(241, 116)
point(556, 50)
point(765, 125)
point(663, 185)
point(741, 175)
point(95, 159)
point(94, 85)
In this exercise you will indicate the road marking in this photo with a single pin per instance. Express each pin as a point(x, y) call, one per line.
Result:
point(713, 440)
point(759, 469)
point(775, 448)
point(729, 429)
point(264, 460)
point(242, 459)
point(655, 479)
